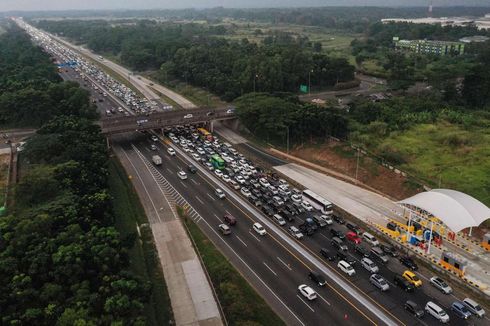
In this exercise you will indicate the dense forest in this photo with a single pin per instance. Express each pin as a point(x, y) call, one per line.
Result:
point(62, 262)
point(227, 68)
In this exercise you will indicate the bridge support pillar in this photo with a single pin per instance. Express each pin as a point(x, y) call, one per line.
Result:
point(108, 141)
point(211, 126)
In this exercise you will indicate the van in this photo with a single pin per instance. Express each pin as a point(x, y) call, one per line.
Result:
point(229, 219)
point(437, 312)
point(380, 254)
point(369, 238)
point(224, 229)
point(338, 244)
point(278, 218)
point(474, 307)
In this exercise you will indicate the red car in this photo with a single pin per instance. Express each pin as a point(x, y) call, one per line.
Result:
point(352, 236)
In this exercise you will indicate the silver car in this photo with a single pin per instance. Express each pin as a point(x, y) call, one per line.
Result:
point(379, 282)
point(441, 285)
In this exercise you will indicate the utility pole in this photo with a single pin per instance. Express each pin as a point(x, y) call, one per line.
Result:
point(287, 139)
point(357, 164)
point(309, 81)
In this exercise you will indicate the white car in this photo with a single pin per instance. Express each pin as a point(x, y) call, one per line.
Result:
point(307, 292)
point(369, 265)
point(327, 219)
point(153, 147)
point(272, 189)
point(182, 175)
point(209, 166)
point(196, 157)
point(279, 219)
point(297, 198)
point(226, 178)
point(264, 182)
point(240, 179)
point(235, 185)
point(307, 206)
point(154, 138)
point(346, 268)
point(188, 116)
point(220, 193)
point(259, 229)
point(245, 192)
point(218, 173)
point(278, 200)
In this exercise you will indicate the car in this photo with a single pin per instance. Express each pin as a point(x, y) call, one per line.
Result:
point(219, 193)
point(182, 175)
point(389, 250)
point(353, 237)
point(229, 219)
point(412, 278)
point(379, 282)
point(154, 138)
point(317, 278)
point(296, 198)
point(413, 308)
point(218, 173)
point(369, 238)
point(245, 192)
point(171, 151)
point(209, 166)
point(379, 254)
point(196, 156)
point(224, 229)
point(338, 244)
point(338, 219)
point(306, 206)
point(327, 219)
point(226, 178)
point(153, 147)
point(460, 310)
point(346, 257)
point(327, 254)
point(408, 261)
point(337, 233)
point(353, 227)
point(295, 232)
point(441, 285)
point(437, 312)
point(307, 292)
point(474, 307)
point(369, 265)
point(235, 185)
point(264, 182)
point(346, 268)
point(240, 179)
point(278, 200)
point(402, 283)
point(230, 111)
point(362, 251)
point(259, 229)
point(192, 168)
point(279, 219)
point(188, 116)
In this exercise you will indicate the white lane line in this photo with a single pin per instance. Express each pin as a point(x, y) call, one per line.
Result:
point(199, 200)
point(325, 236)
point(217, 217)
point(323, 299)
point(305, 303)
point(287, 266)
point(269, 268)
point(194, 181)
point(299, 218)
point(183, 184)
point(254, 236)
point(242, 241)
point(210, 196)
point(169, 171)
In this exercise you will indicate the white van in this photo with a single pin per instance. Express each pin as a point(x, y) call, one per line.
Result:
point(369, 238)
point(437, 312)
point(474, 307)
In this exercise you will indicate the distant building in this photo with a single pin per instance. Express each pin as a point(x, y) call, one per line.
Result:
point(429, 47)
point(479, 22)
point(474, 39)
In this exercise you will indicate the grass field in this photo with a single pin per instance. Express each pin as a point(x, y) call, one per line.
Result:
point(143, 256)
point(241, 304)
point(458, 158)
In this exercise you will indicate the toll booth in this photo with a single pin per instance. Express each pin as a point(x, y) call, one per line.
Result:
point(486, 241)
point(453, 263)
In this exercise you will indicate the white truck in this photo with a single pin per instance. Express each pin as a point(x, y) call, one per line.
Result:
point(157, 160)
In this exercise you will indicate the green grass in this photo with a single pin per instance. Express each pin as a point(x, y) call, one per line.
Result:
point(372, 67)
point(241, 304)
point(143, 255)
point(459, 158)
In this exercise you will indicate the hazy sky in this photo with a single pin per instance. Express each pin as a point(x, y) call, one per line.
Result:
point(6, 5)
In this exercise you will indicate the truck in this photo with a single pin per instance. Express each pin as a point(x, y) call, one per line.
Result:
point(157, 160)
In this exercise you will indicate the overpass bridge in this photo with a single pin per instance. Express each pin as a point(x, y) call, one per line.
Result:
point(121, 124)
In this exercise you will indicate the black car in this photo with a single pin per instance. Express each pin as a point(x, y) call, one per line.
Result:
point(413, 308)
point(287, 215)
point(317, 278)
point(320, 222)
point(408, 261)
point(346, 257)
point(337, 233)
point(389, 250)
point(192, 169)
point(339, 219)
point(267, 210)
point(362, 251)
point(327, 254)
point(403, 283)
point(306, 229)
point(353, 227)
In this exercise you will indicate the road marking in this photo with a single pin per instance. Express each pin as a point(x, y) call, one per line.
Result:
point(183, 184)
point(305, 303)
point(217, 217)
point(323, 299)
point(299, 218)
point(242, 241)
point(325, 236)
point(169, 171)
point(269, 268)
point(199, 200)
point(210, 196)
point(196, 183)
point(287, 266)
point(227, 212)
point(254, 236)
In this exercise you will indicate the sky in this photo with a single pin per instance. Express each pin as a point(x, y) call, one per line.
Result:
point(6, 5)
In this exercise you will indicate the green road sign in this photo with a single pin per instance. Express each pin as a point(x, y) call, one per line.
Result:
point(303, 88)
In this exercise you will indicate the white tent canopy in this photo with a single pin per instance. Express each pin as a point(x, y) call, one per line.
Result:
point(455, 209)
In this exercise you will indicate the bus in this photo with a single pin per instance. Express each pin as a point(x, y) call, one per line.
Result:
point(217, 162)
point(318, 202)
point(206, 134)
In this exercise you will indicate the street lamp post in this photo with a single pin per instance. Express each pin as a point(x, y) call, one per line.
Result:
point(287, 139)
point(357, 164)
point(309, 81)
